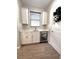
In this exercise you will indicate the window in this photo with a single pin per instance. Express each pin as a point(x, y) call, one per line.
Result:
point(35, 18)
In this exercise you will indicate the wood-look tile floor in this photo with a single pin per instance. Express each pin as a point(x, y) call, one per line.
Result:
point(37, 51)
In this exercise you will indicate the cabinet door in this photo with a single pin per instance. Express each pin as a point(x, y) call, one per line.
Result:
point(44, 18)
point(26, 38)
point(24, 12)
point(36, 37)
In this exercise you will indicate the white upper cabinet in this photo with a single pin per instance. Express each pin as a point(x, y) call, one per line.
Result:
point(44, 18)
point(24, 15)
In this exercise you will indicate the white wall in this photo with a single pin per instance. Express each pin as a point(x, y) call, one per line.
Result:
point(54, 37)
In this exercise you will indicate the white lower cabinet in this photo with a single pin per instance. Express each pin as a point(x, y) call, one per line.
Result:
point(26, 38)
point(36, 37)
point(30, 37)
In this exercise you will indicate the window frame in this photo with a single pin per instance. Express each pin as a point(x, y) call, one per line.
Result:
point(39, 20)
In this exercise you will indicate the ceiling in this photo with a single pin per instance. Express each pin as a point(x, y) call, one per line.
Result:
point(36, 3)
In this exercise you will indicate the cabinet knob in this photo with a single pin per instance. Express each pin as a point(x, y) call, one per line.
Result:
point(26, 36)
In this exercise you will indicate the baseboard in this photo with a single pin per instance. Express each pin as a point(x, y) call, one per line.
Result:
point(56, 48)
point(30, 44)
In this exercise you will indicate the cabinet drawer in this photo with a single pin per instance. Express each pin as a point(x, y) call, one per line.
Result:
point(26, 38)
